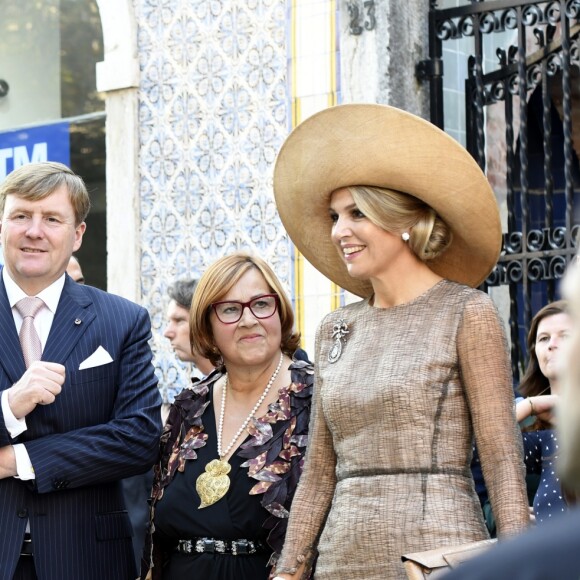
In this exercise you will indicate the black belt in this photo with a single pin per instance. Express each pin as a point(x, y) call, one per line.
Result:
point(26, 549)
point(211, 545)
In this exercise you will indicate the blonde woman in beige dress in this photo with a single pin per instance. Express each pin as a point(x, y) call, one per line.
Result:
point(408, 376)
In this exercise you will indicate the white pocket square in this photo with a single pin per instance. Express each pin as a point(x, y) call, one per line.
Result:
point(98, 358)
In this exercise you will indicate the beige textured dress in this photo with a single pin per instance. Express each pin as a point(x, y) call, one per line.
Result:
point(387, 471)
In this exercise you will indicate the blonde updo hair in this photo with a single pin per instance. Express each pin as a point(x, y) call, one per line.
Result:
point(397, 212)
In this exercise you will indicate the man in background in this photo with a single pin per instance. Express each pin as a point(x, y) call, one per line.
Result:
point(74, 270)
point(177, 329)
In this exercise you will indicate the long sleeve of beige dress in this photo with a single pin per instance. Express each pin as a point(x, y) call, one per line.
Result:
point(387, 471)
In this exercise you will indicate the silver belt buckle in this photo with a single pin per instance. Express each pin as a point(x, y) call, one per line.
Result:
point(242, 547)
point(206, 545)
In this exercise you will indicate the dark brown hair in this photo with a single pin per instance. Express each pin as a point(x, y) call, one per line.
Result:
point(534, 382)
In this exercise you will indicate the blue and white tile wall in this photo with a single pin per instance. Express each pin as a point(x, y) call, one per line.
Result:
point(213, 113)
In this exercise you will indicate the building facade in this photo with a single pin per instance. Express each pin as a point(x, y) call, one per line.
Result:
point(199, 98)
point(174, 110)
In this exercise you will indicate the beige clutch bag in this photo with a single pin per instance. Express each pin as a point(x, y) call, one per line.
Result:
point(433, 564)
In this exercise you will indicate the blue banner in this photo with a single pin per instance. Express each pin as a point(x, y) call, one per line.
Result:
point(42, 143)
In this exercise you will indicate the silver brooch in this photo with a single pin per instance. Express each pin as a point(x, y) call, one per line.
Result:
point(339, 332)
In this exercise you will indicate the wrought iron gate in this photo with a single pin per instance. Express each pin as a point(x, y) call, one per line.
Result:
point(538, 90)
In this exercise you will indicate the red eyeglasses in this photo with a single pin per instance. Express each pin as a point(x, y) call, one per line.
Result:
point(231, 311)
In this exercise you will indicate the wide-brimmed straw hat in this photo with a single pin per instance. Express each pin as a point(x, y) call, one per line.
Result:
point(378, 145)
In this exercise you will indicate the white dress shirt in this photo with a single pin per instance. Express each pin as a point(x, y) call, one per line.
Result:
point(42, 323)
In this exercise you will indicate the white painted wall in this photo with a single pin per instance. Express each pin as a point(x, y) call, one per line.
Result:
point(118, 78)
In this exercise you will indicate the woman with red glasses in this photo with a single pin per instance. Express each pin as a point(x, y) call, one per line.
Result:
point(233, 445)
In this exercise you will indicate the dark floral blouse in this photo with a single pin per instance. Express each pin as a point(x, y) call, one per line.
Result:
point(274, 453)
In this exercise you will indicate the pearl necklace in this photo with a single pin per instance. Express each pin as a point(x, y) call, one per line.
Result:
point(248, 418)
point(214, 483)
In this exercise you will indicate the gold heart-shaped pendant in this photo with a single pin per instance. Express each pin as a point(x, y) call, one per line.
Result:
point(214, 483)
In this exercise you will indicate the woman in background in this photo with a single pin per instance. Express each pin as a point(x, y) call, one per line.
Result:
point(549, 332)
point(553, 549)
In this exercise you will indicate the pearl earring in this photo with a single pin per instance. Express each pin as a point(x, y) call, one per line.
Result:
point(405, 236)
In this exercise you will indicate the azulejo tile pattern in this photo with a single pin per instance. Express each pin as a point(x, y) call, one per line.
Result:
point(213, 112)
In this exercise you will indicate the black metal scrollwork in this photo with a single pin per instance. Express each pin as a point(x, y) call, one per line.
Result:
point(494, 278)
point(573, 9)
point(557, 267)
point(446, 29)
point(553, 64)
point(536, 240)
point(557, 238)
point(514, 272)
point(509, 19)
point(532, 15)
point(465, 26)
point(495, 90)
point(534, 76)
point(488, 23)
point(514, 84)
point(491, 21)
point(545, 35)
point(534, 258)
point(512, 242)
point(553, 12)
point(537, 270)
point(575, 52)
point(550, 256)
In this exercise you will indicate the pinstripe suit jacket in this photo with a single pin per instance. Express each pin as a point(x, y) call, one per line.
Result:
point(104, 426)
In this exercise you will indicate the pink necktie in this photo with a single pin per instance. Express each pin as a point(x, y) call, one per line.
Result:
point(29, 340)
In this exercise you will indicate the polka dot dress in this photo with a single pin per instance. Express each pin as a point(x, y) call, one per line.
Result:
point(541, 455)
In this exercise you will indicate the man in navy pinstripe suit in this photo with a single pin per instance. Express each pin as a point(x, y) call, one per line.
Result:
point(86, 415)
